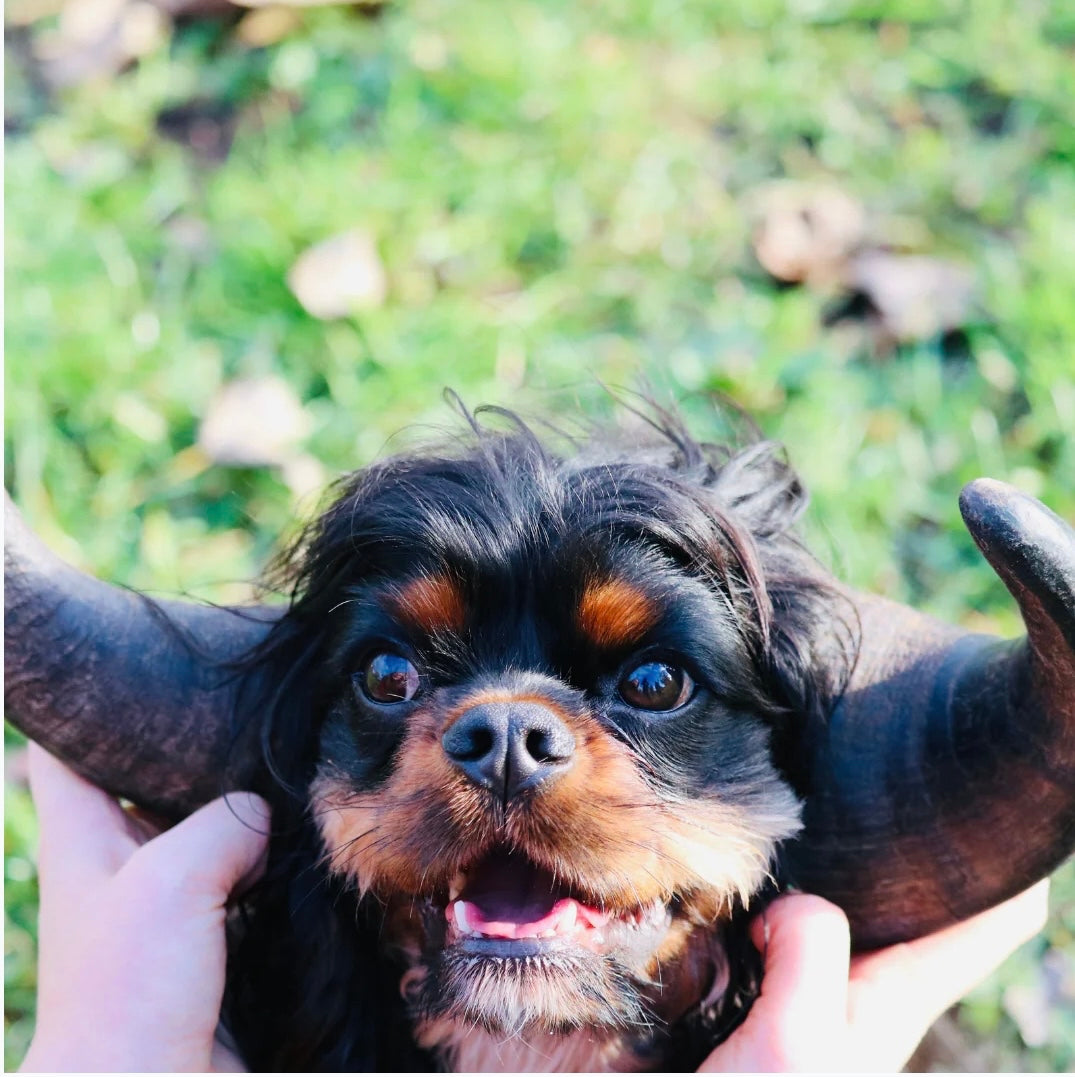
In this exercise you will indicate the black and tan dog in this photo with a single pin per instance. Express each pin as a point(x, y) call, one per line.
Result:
point(539, 727)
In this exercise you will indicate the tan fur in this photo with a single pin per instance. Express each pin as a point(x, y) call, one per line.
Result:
point(390, 838)
point(431, 604)
point(616, 613)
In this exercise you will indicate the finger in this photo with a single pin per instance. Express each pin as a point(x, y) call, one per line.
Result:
point(799, 1020)
point(806, 958)
point(83, 832)
point(219, 849)
point(930, 974)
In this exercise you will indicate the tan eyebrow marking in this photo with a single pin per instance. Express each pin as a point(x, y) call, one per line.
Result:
point(431, 604)
point(616, 613)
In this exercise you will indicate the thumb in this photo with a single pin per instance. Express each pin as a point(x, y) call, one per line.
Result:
point(799, 1021)
point(218, 850)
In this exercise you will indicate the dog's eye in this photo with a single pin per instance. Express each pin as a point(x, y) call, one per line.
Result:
point(389, 678)
point(656, 686)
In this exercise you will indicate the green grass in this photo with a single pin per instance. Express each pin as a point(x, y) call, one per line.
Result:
point(561, 195)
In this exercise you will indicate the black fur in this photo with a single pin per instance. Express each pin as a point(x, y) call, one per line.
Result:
point(310, 986)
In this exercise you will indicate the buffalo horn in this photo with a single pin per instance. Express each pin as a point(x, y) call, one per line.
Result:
point(135, 694)
point(944, 782)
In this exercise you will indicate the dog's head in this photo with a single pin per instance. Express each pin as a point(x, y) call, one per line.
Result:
point(547, 687)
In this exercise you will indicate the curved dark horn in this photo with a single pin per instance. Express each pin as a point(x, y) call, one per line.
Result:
point(945, 781)
point(131, 692)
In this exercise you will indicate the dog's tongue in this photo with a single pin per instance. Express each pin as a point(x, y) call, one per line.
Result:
point(507, 897)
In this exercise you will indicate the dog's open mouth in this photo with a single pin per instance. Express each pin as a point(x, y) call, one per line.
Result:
point(512, 945)
point(504, 905)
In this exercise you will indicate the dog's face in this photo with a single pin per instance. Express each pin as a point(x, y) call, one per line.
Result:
point(548, 689)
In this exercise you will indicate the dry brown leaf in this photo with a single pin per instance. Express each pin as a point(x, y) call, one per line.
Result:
point(95, 38)
point(254, 422)
point(912, 296)
point(267, 25)
point(339, 275)
point(805, 232)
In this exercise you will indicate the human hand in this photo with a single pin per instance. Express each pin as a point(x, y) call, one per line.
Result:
point(131, 927)
point(818, 1010)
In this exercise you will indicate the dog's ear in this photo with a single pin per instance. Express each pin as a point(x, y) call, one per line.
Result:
point(310, 985)
point(808, 625)
point(761, 488)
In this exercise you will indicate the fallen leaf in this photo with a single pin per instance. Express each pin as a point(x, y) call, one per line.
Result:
point(339, 275)
point(253, 422)
point(805, 232)
point(909, 296)
point(267, 25)
point(95, 38)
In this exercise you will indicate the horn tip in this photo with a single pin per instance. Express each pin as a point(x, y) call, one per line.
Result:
point(982, 498)
point(1025, 541)
point(996, 512)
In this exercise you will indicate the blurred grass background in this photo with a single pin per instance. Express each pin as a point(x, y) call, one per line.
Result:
point(548, 194)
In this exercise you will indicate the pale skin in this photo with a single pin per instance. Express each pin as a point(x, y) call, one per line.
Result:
point(132, 950)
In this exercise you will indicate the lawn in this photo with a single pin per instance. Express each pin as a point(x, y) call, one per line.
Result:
point(544, 199)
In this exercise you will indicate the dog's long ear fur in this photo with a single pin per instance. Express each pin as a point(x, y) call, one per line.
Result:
point(807, 628)
point(811, 629)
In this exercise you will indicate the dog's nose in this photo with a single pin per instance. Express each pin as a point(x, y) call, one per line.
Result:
point(509, 747)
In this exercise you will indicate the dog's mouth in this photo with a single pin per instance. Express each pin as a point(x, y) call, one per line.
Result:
point(505, 905)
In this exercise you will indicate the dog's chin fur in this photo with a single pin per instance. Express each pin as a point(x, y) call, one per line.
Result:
point(554, 993)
